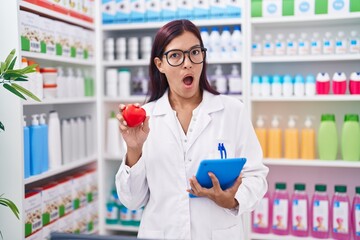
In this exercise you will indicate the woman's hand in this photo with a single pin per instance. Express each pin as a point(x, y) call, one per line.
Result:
point(223, 198)
point(134, 137)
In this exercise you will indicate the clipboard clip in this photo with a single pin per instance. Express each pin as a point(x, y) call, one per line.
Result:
point(222, 150)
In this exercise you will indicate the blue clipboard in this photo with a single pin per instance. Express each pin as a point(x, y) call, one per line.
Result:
point(226, 171)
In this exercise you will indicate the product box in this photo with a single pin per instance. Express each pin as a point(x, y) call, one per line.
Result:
point(304, 8)
point(35, 236)
point(59, 38)
point(73, 34)
point(168, 10)
point(79, 190)
point(90, 45)
point(93, 217)
point(48, 36)
point(66, 223)
point(217, 9)
point(48, 229)
point(354, 6)
point(92, 191)
point(49, 203)
point(108, 11)
point(80, 217)
point(234, 8)
point(32, 212)
point(256, 8)
point(65, 196)
point(79, 42)
point(321, 7)
point(272, 8)
point(185, 9)
point(29, 32)
point(137, 13)
point(123, 11)
point(338, 7)
point(153, 10)
point(201, 9)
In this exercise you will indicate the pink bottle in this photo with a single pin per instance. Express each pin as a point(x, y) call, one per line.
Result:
point(261, 216)
point(341, 227)
point(356, 214)
point(322, 83)
point(299, 211)
point(281, 210)
point(339, 83)
point(354, 83)
point(320, 212)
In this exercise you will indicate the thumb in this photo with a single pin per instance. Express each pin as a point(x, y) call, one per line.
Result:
point(145, 126)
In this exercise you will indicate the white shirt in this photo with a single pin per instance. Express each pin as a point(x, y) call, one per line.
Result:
point(160, 178)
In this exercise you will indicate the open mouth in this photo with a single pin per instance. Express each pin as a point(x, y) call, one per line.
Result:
point(188, 80)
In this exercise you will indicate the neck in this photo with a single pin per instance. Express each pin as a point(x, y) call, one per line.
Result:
point(178, 102)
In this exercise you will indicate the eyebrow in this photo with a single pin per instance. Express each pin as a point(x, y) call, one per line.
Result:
point(197, 45)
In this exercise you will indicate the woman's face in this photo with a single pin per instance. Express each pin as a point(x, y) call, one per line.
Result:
point(183, 79)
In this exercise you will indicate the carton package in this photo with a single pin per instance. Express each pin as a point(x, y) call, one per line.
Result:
point(29, 32)
point(168, 9)
point(66, 223)
point(47, 36)
point(201, 9)
point(93, 217)
point(304, 7)
point(137, 13)
point(153, 10)
point(217, 9)
point(49, 203)
point(123, 10)
point(80, 217)
point(79, 190)
point(234, 8)
point(32, 212)
point(65, 196)
point(272, 8)
point(185, 9)
point(48, 229)
point(92, 191)
point(108, 11)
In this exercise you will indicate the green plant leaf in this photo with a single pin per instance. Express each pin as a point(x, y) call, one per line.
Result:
point(9, 58)
point(12, 64)
point(13, 90)
point(2, 127)
point(2, 68)
point(28, 69)
point(25, 91)
point(10, 204)
point(21, 79)
point(12, 75)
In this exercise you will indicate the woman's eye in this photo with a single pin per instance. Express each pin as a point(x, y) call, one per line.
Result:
point(195, 52)
point(174, 55)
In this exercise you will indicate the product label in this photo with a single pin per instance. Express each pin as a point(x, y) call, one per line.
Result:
point(315, 47)
point(340, 46)
point(32, 210)
point(261, 214)
point(354, 46)
point(112, 212)
point(357, 219)
point(328, 47)
point(280, 214)
point(340, 217)
point(125, 214)
point(299, 215)
point(320, 216)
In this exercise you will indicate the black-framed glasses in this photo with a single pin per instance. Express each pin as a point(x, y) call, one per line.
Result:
point(176, 57)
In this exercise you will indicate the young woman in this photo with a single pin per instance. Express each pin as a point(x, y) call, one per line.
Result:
point(186, 121)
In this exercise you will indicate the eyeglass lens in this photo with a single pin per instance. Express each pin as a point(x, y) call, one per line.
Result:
point(177, 57)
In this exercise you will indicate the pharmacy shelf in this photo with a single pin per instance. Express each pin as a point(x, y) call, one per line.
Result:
point(62, 169)
point(318, 98)
point(255, 236)
point(112, 158)
point(312, 163)
point(53, 101)
point(59, 59)
point(118, 227)
point(308, 58)
point(131, 99)
point(56, 15)
point(308, 20)
point(156, 25)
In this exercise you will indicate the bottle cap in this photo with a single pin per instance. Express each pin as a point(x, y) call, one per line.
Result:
point(34, 121)
point(218, 71)
point(310, 79)
point(287, 79)
point(328, 117)
point(299, 78)
point(275, 122)
point(340, 188)
point(355, 76)
point(351, 117)
point(237, 28)
point(265, 79)
point(320, 187)
point(42, 118)
point(276, 79)
point(308, 122)
point(357, 189)
point(24, 121)
point(280, 186)
point(256, 79)
point(234, 70)
point(226, 28)
point(260, 121)
point(299, 187)
point(292, 122)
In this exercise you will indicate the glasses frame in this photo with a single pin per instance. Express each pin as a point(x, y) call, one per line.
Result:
point(203, 49)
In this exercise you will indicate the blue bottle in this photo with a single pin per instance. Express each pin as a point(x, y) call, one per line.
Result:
point(45, 143)
point(35, 146)
point(26, 150)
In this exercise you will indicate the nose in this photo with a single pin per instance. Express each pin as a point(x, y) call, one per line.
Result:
point(187, 62)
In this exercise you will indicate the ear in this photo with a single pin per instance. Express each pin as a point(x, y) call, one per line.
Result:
point(159, 64)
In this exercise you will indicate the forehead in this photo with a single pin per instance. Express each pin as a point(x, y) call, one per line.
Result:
point(184, 41)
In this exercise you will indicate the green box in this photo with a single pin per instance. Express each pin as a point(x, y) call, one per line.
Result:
point(256, 8)
point(321, 7)
point(354, 5)
point(288, 8)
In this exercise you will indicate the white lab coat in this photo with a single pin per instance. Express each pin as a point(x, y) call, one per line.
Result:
point(160, 178)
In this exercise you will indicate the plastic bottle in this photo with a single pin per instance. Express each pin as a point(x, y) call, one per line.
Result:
point(225, 43)
point(60, 81)
point(265, 87)
point(140, 82)
point(24, 64)
point(75, 144)
point(328, 43)
point(281, 210)
point(310, 86)
point(354, 83)
point(341, 227)
point(39, 92)
point(89, 136)
point(261, 133)
point(350, 138)
point(300, 211)
point(27, 172)
point(255, 86)
point(35, 146)
point(280, 46)
point(45, 142)
point(112, 211)
point(66, 141)
point(299, 86)
point(356, 214)
point(261, 216)
point(322, 83)
point(341, 43)
point(354, 42)
point(70, 82)
point(307, 140)
point(339, 83)
point(276, 86)
point(220, 80)
point(320, 211)
point(111, 82)
point(268, 46)
point(205, 37)
point(291, 45)
point(236, 43)
point(234, 80)
point(80, 83)
point(113, 137)
point(287, 86)
point(327, 138)
point(55, 156)
point(81, 139)
point(136, 216)
point(275, 139)
point(315, 44)
point(214, 44)
point(124, 82)
point(303, 44)
point(291, 140)
point(256, 46)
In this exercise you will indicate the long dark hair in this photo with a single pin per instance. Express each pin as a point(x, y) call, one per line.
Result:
point(158, 82)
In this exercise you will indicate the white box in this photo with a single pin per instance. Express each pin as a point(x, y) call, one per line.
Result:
point(185, 9)
point(65, 197)
point(50, 203)
point(272, 8)
point(29, 32)
point(137, 11)
point(123, 10)
point(32, 212)
point(201, 9)
point(48, 229)
point(217, 9)
point(48, 35)
point(153, 10)
point(108, 11)
point(234, 8)
point(304, 8)
point(168, 9)
point(338, 7)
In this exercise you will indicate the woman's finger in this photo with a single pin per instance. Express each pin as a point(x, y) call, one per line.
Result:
point(215, 181)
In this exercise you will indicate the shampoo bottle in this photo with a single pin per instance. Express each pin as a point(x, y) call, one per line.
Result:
point(300, 211)
point(339, 83)
point(322, 83)
point(320, 211)
point(356, 214)
point(341, 214)
point(235, 81)
point(54, 141)
point(113, 144)
point(45, 142)
point(327, 138)
point(66, 141)
point(350, 138)
point(261, 133)
point(26, 149)
point(354, 83)
point(275, 139)
point(261, 216)
point(35, 146)
point(307, 140)
point(291, 140)
point(280, 218)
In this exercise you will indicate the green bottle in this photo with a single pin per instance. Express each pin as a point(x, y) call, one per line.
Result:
point(328, 138)
point(350, 138)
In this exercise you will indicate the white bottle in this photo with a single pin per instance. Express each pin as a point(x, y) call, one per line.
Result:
point(145, 47)
point(124, 83)
point(89, 136)
point(310, 85)
point(280, 46)
point(236, 43)
point(55, 156)
point(288, 86)
point(265, 89)
point(121, 48)
point(113, 143)
point(328, 43)
point(205, 37)
point(81, 137)
point(268, 46)
point(299, 86)
point(291, 45)
point(235, 81)
point(341, 43)
point(220, 80)
point(111, 82)
point(66, 141)
point(256, 46)
point(39, 90)
point(354, 42)
point(60, 81)
point(70, 83)
point(255, 86)
point(144, 81)
point(75, 144)
point(80, 84)
point(276, 86)
point(214, 44)
point(303, 44)
point(225, 43)
point(109, 49)
point(315, 45)
point(133, 48)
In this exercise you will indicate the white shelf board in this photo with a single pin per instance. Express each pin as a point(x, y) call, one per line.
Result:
point(58, 16)
point(324, 19)
point(257, 236)
point(224, 61)
point(312, 163)
point(118, 227)
point(307, 58)
point(318, 98)
point(31, 102)
point(156, 25)
point(54, 58)
point(112, 158)
point(62, 169)
point(131, 99)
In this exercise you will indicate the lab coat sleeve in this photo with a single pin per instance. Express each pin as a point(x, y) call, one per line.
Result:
point(131, 185)
point(254, 184)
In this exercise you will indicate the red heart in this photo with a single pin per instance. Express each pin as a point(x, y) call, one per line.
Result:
point(134, 115)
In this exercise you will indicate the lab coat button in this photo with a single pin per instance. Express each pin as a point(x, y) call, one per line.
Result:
point(190, 129)
point(185, 140)
point(194, 119)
